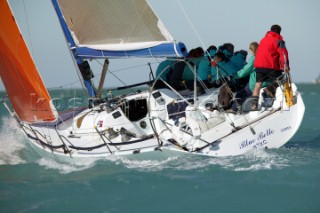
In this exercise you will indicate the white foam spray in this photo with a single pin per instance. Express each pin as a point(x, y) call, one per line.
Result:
point(11, 142)
point(66, 167)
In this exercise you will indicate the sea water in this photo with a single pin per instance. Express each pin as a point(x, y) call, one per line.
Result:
point(276, 180)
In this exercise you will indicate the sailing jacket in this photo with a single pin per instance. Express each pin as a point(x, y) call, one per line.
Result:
point(239, 60)
point(167, 64)
point(248, 69)
point(272, 53)
point(204, 68)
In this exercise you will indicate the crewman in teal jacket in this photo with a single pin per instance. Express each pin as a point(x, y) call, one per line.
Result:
point(248, 69)
point(163, 70)
point(239, 59)
point(204, 69)
point(193, 60)
point(192, 65)
point(222, 67)
point(227, 49)
point(247, 72)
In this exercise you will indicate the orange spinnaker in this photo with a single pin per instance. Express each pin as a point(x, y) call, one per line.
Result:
point(25, 88)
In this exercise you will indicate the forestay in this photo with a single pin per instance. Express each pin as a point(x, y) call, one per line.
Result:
point(115, 28)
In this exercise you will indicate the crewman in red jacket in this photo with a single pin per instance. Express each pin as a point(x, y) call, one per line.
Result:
point(271, 59)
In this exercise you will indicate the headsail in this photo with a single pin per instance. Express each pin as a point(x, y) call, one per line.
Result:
point(121, 28)
point(25, 88)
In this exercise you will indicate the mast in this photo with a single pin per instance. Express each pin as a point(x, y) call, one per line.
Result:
point(83, 65)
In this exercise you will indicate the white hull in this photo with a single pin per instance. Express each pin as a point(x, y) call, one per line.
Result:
point(272, 131)
point(87, 134)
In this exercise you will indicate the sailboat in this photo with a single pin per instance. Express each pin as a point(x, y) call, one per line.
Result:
point(152, 122)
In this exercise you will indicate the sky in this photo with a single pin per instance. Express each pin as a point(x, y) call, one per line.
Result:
point(207, 22)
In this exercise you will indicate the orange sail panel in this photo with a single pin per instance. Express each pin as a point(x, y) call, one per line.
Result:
point(25, 88)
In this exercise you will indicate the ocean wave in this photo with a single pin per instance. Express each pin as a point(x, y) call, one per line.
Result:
point(66, 167)
point(313, 93)
point(147, 165)
point(254, 160)
point(14, 150)
point(259, 159)
point(11, 140)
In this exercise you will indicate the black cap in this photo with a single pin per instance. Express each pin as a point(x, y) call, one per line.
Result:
point(276, 28)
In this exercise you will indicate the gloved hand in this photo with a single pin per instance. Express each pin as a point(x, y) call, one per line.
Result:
point(213, 63)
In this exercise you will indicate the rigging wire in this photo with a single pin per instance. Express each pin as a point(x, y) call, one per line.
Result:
point(31, 46)
point(33, 54)
point(78, 74)
point(112, 73)
point(97, 75)
point(201, 41)
point(15, 70)
point(193, 28)
point(28, 26)
point(195, 31)
point(65, 85)
point(132, 67)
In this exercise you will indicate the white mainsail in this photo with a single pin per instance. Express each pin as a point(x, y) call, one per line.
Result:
point(114, 24)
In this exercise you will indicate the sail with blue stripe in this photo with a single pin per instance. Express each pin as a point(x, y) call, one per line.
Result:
point(121, 28)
